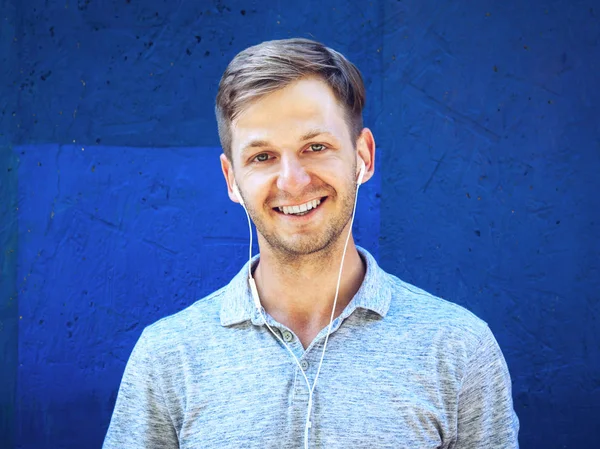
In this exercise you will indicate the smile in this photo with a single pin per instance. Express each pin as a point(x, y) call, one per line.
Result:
point(301, 209)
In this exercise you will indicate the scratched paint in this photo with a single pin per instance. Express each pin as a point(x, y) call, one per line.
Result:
point(486, 123)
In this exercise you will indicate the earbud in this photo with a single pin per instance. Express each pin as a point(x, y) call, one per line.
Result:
point(361, 173)
point(238, 195)
point(254, 292)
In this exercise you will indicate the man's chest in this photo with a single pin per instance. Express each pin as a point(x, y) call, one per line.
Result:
point(357, 404)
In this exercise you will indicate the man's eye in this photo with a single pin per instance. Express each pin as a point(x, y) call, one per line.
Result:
point(263, 157)
point(317, 147)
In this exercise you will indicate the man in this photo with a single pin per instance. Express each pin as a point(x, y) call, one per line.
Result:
point(310, 359)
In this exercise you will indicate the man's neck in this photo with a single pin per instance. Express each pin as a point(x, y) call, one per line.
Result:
point(300, 295)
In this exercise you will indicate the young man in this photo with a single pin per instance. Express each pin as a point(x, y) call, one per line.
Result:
point(290, 354)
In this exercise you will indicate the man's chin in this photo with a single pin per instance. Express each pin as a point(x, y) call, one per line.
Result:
point(299, 247)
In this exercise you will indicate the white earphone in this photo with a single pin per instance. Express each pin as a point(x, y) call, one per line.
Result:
point(237, 194)
point(361, 174)
point(257, 304)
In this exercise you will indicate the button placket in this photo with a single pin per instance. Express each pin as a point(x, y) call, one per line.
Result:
point(288, 337)
point(301, 390)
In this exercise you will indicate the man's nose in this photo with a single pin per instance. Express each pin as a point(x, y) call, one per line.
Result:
point(292, 177)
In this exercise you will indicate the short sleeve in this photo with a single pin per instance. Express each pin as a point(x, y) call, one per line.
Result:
point(141, 418)
point(486, 418)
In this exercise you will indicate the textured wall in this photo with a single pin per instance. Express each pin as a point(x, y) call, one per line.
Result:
point(487, 122)
point(494, 160)
point(9, 313)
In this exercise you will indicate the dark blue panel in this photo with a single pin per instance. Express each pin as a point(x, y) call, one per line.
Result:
point(146, 73)
point(9, 308)
point(494, 158)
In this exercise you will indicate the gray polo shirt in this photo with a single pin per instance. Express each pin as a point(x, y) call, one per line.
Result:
point(403, 369)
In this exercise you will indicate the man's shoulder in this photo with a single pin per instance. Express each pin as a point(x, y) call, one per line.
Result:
point(426, 309)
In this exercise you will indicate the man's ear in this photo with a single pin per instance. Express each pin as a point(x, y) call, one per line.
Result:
point(365, 147)
point(227, 168)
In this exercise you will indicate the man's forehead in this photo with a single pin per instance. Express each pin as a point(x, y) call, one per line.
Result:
point(306, 100)
point(298, 112)
point(295, 132)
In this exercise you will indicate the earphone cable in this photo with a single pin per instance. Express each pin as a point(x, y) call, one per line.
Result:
point(261, 310)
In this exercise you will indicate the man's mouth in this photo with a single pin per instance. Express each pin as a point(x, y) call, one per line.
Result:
point(301, 209)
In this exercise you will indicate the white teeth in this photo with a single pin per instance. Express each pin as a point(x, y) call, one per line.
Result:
point(301, 208)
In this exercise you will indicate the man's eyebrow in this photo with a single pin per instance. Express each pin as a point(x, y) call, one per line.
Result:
point(255, 144)
point(314, 133)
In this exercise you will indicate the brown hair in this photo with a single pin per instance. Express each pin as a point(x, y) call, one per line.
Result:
point(272, 65)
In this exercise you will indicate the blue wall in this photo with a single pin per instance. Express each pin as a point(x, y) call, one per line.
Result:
point(114, 212)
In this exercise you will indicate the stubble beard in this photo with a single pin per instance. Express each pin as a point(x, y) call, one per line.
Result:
point(324, 241)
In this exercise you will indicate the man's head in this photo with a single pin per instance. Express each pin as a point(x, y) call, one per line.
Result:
point(273, 65)
point(290, 122)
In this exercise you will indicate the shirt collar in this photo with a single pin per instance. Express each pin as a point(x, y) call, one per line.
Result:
point(374, 294)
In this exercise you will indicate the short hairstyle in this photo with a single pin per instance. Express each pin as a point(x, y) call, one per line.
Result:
point(272, 65)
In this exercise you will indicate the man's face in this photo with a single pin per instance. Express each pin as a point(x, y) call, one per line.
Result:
point(292, 148)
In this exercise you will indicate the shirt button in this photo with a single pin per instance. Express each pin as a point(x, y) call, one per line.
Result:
point(304, 364)
point(287, 336)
